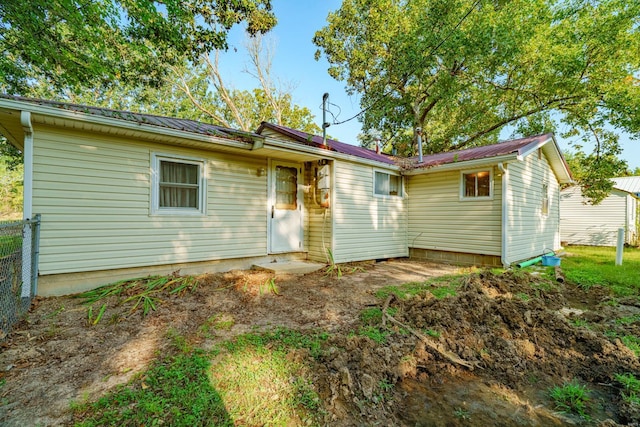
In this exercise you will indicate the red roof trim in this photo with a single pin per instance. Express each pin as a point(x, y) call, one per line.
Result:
point(337, 146)
point(515, 146)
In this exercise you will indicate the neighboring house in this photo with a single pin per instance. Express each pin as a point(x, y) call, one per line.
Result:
point(124, 194)
point(597, 225)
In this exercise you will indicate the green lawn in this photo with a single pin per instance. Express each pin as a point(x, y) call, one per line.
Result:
point(250, 380)
point(10, 244)
point(587, 266)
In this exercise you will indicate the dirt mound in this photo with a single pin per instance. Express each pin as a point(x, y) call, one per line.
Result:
point(521, 334)
point(518, 331)
point(513, 337)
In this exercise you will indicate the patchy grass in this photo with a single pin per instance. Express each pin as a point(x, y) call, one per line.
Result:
point(375, 333)
point(631, 384)
point(571, 398)
point(373, 316)
point(174, 391)
point(218, 322)
point(632, 342)
point(262, 382)
point(433, 333)
point(587, 266)
point(254, 379)
point(439, 286)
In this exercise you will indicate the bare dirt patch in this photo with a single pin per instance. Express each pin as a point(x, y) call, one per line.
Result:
point(522, 336)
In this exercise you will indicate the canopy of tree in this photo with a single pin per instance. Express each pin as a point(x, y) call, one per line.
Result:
point(463, 70)
point(105, 42)
point(192, 91)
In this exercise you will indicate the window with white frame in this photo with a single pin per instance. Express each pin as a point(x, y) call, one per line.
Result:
point(178, 186)
point(476, 184)
point(387, 185)
point(545, 199)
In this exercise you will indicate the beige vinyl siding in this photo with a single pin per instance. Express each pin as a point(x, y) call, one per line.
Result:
point(93, 192)
point(585, 224)
point(319, 219)
point(365, 226)
point(317, 223)
point(439, 220)
point(529, 231)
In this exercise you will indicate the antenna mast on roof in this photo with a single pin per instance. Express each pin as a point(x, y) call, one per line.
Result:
point(325, 125)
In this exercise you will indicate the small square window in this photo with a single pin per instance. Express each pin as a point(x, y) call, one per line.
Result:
point(387, 184)
point(178, 185)
point(476, 184)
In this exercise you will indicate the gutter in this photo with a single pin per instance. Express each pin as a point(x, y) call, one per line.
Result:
point(27, 152)
point(27, 208)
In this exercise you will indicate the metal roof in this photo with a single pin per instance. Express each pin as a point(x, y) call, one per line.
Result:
point(142, 118)
point(518, 147)
point(337, 146)
point(630, 184)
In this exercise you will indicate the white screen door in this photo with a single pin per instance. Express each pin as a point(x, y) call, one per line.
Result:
point(285, 213)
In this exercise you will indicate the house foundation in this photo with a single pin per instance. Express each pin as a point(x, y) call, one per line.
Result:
point(459, 258)
point(71, 283)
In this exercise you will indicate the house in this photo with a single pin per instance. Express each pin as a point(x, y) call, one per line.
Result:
point(125, 195)
point(582, 223)
point(491, 205)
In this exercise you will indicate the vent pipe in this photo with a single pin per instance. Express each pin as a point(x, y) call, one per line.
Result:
point(325, 125)
point(419, 135)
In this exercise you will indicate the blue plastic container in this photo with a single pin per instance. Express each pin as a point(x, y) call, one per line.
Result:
point(550, 261)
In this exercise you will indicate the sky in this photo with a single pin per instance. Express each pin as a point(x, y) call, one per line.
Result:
point(294, 62)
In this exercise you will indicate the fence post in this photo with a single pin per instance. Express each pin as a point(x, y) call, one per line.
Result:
point(620, 246)
point(27, 240)
point(35, 253)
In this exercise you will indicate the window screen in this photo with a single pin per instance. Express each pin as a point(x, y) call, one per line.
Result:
point(477, 184)
point(387, 184)
point(179, 185)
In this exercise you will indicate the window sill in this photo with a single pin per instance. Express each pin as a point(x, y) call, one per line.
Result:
point(475, 199)
point(177, 212)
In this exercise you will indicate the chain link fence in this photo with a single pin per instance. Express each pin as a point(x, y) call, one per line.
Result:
point(18, 269)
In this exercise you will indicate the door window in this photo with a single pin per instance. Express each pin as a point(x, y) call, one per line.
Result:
point(286, 188)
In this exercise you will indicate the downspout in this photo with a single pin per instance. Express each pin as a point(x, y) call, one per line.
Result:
point(27, 153)
point(27, 205)
point(505, 213)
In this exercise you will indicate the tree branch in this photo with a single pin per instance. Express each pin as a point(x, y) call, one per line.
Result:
point(214, 72)
point(184, 87)
point(510, 119)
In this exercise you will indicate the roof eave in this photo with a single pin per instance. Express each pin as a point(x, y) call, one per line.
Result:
point(122, 124)
point(466, 164)
point(325, 153)
point(564, 173)
point(533, 147)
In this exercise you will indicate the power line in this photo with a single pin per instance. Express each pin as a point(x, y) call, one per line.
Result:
point(433, 51)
